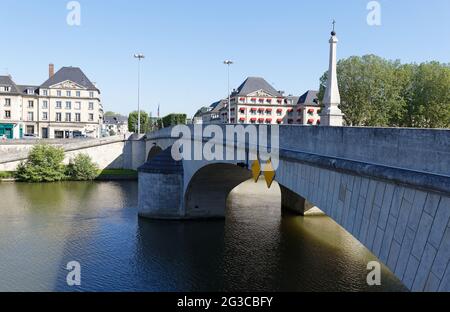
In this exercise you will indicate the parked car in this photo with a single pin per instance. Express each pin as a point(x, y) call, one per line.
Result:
point(28, 136)
point(79, 136)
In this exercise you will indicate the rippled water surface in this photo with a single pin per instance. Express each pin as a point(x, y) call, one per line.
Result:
point(45, 226)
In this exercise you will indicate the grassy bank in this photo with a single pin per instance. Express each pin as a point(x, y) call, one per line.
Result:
point(7, 174)
point(107, 174)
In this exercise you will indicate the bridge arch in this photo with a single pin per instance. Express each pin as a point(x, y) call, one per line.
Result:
point(154, 151)
point(208, 189)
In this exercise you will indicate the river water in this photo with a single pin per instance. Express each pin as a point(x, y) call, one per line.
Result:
point(256, 248)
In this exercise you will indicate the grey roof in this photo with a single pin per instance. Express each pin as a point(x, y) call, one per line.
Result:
point(217, 106)
point(252, 84)
point(7, 81)
point(23, 89)
point(309, 98)
point(119, 119)
point(73, 74)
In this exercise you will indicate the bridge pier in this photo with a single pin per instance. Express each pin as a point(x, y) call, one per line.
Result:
point(293, 202)
point(161, 188)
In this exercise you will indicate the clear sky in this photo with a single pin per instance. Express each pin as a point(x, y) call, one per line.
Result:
point(185, 42)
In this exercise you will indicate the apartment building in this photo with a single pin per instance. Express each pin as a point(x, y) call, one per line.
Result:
point(255, 101)
point(67, 105)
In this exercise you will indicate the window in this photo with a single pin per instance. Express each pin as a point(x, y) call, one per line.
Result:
point(45, 104)
point(8, 114)
point(30, 129)
point(77, 117)
point(7, 89)
point(7, 102)
point(59, 134)
point(30, 91)
point(30, 104)
point(68, 105)
point(91, 94)
point(58, 116)
point(58, 93)
point(91, 105)
point(78, 94)
point(78, 105)
point(68, 117)
point(68, 93)
point(44, 115)
point(58, 104)
point(30, 116)
point(44, 92)
point(91, 117)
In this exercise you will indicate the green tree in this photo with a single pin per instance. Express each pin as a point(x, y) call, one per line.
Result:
point(133, 121)
point(44, 164)
point(379, 92)
point(172, 120)
point(82, 168)
point(429, 103)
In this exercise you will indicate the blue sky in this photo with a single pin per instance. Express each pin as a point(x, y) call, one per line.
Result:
point(185, 42)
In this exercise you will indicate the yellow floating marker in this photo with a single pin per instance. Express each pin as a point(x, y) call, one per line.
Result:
point(269, 173)
point(256, 170)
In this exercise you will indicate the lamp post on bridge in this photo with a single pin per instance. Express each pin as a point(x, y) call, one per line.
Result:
point(228, 63)
point(139, 57)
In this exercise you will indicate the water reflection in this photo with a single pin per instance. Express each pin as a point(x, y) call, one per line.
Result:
point(44, 226)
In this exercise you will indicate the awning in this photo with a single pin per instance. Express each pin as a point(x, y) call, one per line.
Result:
point(261, 119)
point(311, 110)
point(242, 119)
point(279, 120)
point(299, 109)
point(290, 110)
point(242, 99)
point(279, 110)
point(269, 120)
point(310, 121)
point(269, 100)
point(253, 99)
point(279, 100)
point(253, 119)
point(268, 109)
point(253, 109)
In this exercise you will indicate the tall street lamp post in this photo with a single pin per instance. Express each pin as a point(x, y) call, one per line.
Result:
point(139, 57)
point(228, 63)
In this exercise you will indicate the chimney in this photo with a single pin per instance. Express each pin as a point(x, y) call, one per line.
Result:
point(51, 70)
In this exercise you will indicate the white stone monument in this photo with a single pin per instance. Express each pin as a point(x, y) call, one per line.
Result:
point(331, 114)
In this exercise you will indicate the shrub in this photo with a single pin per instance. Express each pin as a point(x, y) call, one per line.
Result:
point(44, 164)
point(82, 168)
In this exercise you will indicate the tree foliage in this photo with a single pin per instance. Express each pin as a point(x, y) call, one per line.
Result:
point(133, 121)
point(82, 168)
point(44, 164)
point(173, 120)
point(379, 92)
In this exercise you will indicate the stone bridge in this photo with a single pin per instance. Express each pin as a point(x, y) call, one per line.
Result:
point(116, 152)
point(390, 188)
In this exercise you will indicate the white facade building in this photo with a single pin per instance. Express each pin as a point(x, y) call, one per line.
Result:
point(67, 105)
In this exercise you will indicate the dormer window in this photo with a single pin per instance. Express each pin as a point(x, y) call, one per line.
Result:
point(44, 92)
point(30, 91)
point(7, 89)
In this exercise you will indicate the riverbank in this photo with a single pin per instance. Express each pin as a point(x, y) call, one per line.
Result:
point(103, 175)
